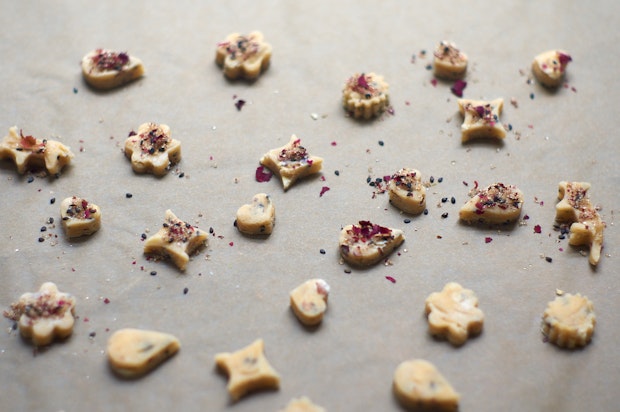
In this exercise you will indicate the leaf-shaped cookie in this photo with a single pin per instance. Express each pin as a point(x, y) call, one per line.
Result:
point(418, 385)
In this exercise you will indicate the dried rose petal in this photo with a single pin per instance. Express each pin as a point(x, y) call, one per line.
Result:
point(488, 239)
point(263, 175)
point(361, 81)
point(537, 229)
point(239, 104)
point(564, 59)
point(458, 88)
point(323, 190)
point(391, 279)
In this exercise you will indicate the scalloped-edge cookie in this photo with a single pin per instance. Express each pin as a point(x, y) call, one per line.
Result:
point(366, 243)
point(107, 69)
point(569, 321)
point(152, 150)
point(449, 62)
point(497, 204)
point(549, 67)
point(243, 56)
point(79, 217)
point(481, 119)
point(406, 191)
point(365, 95)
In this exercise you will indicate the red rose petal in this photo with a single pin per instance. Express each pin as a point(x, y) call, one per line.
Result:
point(263, 175)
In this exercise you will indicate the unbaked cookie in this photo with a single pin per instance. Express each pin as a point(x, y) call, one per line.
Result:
point(243, 56)
point(31, 153)
point(367, 243)
point(302, 404)
point(419, 386)
point(365, 95)
point(499, 203)
point(152, 150)
point(549, 67)
point(257, 218)
point(569, 321)
point(309, 301)
point(79, 217)
point(107, 69)
point(407, 192)
point(481, 119)
point(449, 62)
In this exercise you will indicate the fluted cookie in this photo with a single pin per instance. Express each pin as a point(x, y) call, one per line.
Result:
point(365, 95)
point(569, 321)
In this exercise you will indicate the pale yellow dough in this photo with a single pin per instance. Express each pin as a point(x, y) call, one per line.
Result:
point(291, 162)
point(152, 150)
point(549, 67)
point(31, 153)
point(481, 119)
point(79, 217)
point(248, 370)
point(419, 386)
point(586, 225)
point(407, 192)
point(365, 243)
point(134, 352)
point(449, 62)
point(569, 321)
point(107, 69)
point(365, 95)
point(243, 56)
point(257, 218)
point(453, 314)
point(302, 404)
point(309, 301)
point(496, 204)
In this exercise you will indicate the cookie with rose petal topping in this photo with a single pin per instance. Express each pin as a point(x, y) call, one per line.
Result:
point(366, 243)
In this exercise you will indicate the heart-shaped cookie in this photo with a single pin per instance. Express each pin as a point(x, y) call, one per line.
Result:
point(258, 217)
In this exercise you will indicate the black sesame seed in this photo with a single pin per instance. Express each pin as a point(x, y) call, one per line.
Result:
point(444, 215)
point(368, 179)
point(322, 251)
point(153, 273)
point(444, 199)
point(75, 90)
point(440, 179)
point(52, 201)
point(431, 179)
point(426, 211)
point(235, 223)
point(337, 173)
point(562, 237)
point(347, 270)
point(41, 240)
point(532, 96)
point(30, 179)
point(548, 259)
point(211, 230)
point(381, 143)
point(407, 220)
point(43, 228)
point(185, 290)
point(128, 195)
point(452, 200)
point(182, 174)
point(143, 236)
point(92, 334)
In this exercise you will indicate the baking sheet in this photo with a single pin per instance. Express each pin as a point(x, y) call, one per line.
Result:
point(237, 288)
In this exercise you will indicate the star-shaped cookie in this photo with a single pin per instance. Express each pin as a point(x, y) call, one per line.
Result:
point(291, 162)
point(481, 119)
point(44, 315)
point(176, 239)
point(586, 225)
point(366, 243)
point(247, 370)
point(152, 150)
point(31, 153)
point(243, 56)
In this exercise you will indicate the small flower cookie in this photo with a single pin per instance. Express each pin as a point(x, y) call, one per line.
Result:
point(31, 153)
point(453, 314)
point(481, 119)
point(418, 385)
point(176, 239)
point(549, 67)
point(243, 56)
point(366, 243)
point(134, 352)
point(569, 321)
point(309, 301)
point(586, 226)
point(152, 150)
point(44, 315)
point(449, 62)
point(257, 218)
point(302, 404)
point(365, 95)
point(291, 162)
point(497, 204)
point(407, 192)
point(79, 217)
point(107, 69)
point(248, 370)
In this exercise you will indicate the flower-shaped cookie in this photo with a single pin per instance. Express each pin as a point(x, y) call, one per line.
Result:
point(79, 217)
point(365, 95)
point(481, 119)
point(106, 69)
point(549, 67)
point(498, 203)
point(366, 243)
point(44, 315)
point(29, 152)
point(291, 162)
point(407, 192)
point(176, 239)
point(586, 226)
point(309, 301)
point(258, 217)
point(248, 370)
point(243, 56)
point(152, 150)
point(449, 61)
point(569, 321)
point(453, 314)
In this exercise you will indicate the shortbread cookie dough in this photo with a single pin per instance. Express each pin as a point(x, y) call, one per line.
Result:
point(152, 150)
point(302, 404)
point(248, 370)
point(257, 218)
point(79, 217)
point(366, 243)
point(365, 95)
point(291, 162)
point(107, 69)
point(419, 386)
point(407, 192)
point(481, 119)
point(449, 62)
point(549, 67)
point(575, 209)
point(44, 315)
point(31, 153)
point(453, 314)
point(569, 321)
point(309, 301)
point(176, 239)
point(134, 352)
point(243, 56)
point(497, 204)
